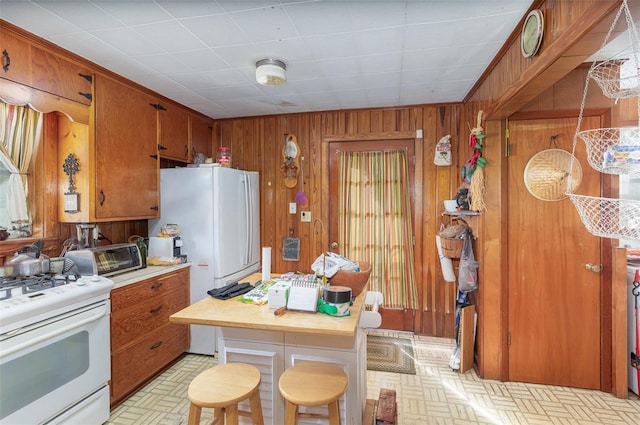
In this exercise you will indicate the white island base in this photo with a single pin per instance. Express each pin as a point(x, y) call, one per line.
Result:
point(253, 334)
point(274, 351)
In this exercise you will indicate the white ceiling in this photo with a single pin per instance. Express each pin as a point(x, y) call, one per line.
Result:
point(339, 54)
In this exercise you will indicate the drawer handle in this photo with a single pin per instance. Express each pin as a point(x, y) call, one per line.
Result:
point(7, 60)
point(157, 286)
point(89, 96)
point(156, 345)
point(155, 310)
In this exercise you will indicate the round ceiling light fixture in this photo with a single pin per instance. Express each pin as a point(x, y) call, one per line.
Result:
point(271, 72)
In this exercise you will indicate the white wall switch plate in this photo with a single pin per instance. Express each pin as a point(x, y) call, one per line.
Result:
point(292, 207)
point(305, 216)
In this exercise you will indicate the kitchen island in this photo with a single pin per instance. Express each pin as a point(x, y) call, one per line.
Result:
point(253, 334)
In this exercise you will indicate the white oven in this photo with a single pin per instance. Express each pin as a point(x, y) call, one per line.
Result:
point(55, 363)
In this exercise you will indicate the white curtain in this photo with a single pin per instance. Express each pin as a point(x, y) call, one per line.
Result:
point(20, 129)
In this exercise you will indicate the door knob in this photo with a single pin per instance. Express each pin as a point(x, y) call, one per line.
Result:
point(596, 268)
point(334, 245)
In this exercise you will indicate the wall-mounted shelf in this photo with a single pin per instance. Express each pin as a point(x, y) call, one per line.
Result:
point(470, 218)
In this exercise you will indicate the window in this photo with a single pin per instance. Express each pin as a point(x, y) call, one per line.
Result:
point(19, 132)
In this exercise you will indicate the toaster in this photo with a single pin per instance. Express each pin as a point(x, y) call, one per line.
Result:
point(106, 260)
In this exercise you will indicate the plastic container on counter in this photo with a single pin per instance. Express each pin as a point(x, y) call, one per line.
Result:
point(224, 156)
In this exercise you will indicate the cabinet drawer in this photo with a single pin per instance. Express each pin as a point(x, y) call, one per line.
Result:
point(134, 366)
point(130, 295)
point(128, 325)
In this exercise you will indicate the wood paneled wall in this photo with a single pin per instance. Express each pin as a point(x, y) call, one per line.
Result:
point(256, 144)
point(573, 31)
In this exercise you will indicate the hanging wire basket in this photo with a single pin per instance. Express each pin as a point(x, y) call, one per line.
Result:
point(613, 79)
point(609, 218)
point(613, 150)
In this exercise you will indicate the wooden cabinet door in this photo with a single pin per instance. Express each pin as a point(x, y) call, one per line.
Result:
point(127, 172)
point(201, 136)
point(55, 75)
point(173, 142)
point(15, 58)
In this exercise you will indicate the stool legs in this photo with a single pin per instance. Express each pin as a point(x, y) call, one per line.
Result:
point(256, 408)
point(291, 414)
point(194, 414)
point(334, 413)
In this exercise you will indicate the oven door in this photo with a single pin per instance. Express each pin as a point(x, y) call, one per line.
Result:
point(52, 366)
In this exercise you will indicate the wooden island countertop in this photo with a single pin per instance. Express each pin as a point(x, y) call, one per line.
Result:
point(234, 314)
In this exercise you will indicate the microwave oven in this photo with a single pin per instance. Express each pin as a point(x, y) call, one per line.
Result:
point(106, 260)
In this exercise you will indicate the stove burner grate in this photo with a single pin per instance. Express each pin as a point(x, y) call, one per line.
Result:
point(13, 286)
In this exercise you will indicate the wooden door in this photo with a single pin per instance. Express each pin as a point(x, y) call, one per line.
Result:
point(397, 319)
point(555, 304)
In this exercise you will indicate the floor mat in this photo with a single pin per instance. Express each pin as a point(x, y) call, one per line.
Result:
point(388, 354)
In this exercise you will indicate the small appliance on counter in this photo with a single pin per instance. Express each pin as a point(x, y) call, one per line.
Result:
point(167, 246)
point(106, 260)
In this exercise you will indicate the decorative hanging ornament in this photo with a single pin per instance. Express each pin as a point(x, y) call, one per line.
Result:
point(548, 173)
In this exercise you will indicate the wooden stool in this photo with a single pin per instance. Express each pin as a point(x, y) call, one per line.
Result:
point(313, 384)
point(222, 387)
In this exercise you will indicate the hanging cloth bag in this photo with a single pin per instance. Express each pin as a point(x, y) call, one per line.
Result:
point(443, 151)
point(468, 272)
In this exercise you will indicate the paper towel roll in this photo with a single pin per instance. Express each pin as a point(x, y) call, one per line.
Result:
point(266, 263)
point(445, 263)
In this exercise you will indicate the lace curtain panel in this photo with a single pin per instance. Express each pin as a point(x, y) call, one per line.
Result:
point(20, 129)
point(374, 211)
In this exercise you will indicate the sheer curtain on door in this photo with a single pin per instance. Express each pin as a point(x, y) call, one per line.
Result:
point(20, 129)
point(374, 211)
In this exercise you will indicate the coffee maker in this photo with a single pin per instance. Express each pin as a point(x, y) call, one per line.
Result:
point(87, 234)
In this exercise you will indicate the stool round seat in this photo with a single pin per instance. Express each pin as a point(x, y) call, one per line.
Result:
point(222, 387)
point(313, 384)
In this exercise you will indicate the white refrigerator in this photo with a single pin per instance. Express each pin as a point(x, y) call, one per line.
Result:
point(217, 210)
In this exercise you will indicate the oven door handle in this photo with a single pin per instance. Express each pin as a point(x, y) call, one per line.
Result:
point(53, 334)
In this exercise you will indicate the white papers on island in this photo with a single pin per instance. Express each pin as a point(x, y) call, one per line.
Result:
point(328, 264)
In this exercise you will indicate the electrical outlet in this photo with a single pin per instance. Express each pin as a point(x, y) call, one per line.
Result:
point(305, 216)
point(292, 207)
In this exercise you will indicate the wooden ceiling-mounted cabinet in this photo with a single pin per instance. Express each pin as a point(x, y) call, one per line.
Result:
point(118, 175)
point(41, 69)
point(201, 136)
point(53, 74)
point(15, 59)
point(173, 128)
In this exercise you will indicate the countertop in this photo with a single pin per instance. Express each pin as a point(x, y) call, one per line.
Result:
point(128, 278)
point(231, 313)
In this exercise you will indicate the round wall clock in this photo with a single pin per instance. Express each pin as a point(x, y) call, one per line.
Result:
point(531, 36)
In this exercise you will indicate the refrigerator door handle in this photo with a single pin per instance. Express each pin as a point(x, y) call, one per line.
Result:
point(247, 195)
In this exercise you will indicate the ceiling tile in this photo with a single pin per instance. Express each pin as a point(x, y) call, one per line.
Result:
point(171, 36)
point(130, 12)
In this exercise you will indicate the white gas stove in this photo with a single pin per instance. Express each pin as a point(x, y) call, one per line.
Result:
point(28, 300)
point(62, 324)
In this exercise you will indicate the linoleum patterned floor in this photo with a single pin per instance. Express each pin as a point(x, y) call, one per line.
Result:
point(435, 395)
